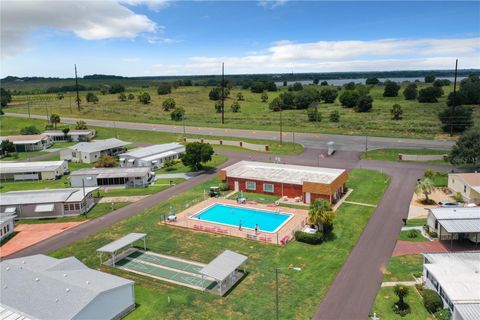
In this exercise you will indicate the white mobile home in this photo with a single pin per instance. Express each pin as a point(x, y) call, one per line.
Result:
point(136, 177)
point(7, 224)
point(455, 277)
point(72, 135)
point(42, 287)
point(467, 184)
point(28, 143)
point(90, 152)
point(455, 223)
point(39, 170)
point(153, 156)
point(48, 203)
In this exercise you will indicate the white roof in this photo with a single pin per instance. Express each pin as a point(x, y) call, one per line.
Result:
point(458, 274)
point(59, 133)
point(44, 207)
point(284, 173)
point(153, 150)
point(122, 242)
point(160, 155)
point(99, 145)
point(7, 313)
point(116, 172)
point(43, 287)
point(42, 196)
point(21, 167)
point(25, 139)
point(223, 265)
point(468, 311)
point(456, 220)
point(6, 217)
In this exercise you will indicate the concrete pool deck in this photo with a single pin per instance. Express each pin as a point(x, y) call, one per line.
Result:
point(296, 222)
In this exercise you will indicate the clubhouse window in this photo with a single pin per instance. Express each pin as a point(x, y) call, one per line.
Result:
point(250, 185)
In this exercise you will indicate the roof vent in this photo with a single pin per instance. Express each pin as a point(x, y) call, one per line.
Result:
point(37, 279)
point(87, 282)
point(23, 261)
point(65, 275)
point(5, 287)
point(67, 290)
point(7, 268)
point(56, 300)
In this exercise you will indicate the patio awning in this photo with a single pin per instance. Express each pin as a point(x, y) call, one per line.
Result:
point(44, 207)
point(223, 265)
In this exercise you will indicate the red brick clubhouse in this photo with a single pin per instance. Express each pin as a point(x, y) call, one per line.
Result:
point(291, 181)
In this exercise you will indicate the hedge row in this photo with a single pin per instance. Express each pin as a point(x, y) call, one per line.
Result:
point(310, 238)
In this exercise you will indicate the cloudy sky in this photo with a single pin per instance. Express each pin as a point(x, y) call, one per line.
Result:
point(158, 37)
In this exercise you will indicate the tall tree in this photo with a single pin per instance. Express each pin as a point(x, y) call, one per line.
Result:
point(425, 186)
point(467, 149)
point(391, 89)
point(457, 119)
point(195, 154)
point(54, 119)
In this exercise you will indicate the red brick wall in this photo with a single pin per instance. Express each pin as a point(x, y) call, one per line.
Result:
point(289, 190)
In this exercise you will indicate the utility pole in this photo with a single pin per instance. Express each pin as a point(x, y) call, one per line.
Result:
point(70, 102)
point(29, 102)
point(223, 94)
point(76, 86)
point(184, 131)
point(454, 96)
point(281, 139)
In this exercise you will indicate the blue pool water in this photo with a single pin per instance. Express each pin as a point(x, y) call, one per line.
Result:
point(230, 215)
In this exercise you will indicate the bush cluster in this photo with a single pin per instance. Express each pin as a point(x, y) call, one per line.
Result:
point(310, 238)
point(431, 300)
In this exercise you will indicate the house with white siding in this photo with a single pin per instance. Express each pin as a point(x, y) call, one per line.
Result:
point(90, 152)
point(152, 156)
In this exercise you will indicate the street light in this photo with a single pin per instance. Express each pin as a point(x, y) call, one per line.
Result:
point(277, 269)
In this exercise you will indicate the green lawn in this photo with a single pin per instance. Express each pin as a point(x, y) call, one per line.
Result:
point(217, 159)
point(402, 268)
point(369, 191)
point(416, 222)
point(160, 185)
point(9, 124)
point(419, 238)
point(253, 298)
point(34, 185)
point(392, 154)
point(22, 156)
point(98, 210)
point(385, 299)
point(440, 179)
point(419, 119)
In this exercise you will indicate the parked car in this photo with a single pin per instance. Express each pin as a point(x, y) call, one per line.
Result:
point(449, 204)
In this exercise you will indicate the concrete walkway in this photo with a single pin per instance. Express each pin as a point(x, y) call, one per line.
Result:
point(181, 175)
point(403, 283)
point(121, 199)
point(361, 204)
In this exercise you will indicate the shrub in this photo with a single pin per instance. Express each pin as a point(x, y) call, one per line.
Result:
point(372, 81)
point(431, 300)
point(144, 98)
point(458, 197)
point(364, 104)
point(457, 120)
point(131, 96)
point(430, 94)
point(116, 88)
point(218, 107)
point(264, 97)
point(177, 114)
point(401, 311)
point(391, 89)
point(235, 107)
point(410, 92)
point(91, 97)
point(164, 88)
point(349, 98)
point(223, 186)
point(122, 97)
point(396, 112)
point(429, 78)
point(335, 116)
point(168, 104)
point(443, 314)
point(297, 86)
point(328, 95)
point(310, 238)
point(313, 114)
point(29, 130)
point(412, 234)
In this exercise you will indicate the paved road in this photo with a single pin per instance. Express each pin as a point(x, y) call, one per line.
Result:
point(308, 140)
point(354, 289)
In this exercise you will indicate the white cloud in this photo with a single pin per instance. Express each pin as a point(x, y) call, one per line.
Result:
point(328, 56)
point(131, 60)
point(90, 20)
point(154, 5)
point(271, 4)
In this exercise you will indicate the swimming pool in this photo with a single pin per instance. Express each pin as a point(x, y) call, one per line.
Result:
point(267, 221)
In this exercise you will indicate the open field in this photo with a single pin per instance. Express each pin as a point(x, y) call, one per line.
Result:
point(419, 119)
point(13, 125)
point(253, 298)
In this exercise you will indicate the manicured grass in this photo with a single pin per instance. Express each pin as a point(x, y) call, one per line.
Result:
point(386, 298)
point(253, 298)
point(392, 155)
point(419, 119)
point(440, 179)
point(98, 210)
point(371, 188)
point(160, 185)
point(404, 236)
point(34, 185)
point(402, 268)
point(416, 222)
point(217, 159)
point(143, 136)
point(22, 156)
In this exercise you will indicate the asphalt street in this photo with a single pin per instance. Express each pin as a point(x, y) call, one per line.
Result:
point(308, 140)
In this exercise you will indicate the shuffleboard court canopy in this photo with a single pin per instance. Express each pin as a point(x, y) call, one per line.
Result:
point(223, 265)
point(122, 242)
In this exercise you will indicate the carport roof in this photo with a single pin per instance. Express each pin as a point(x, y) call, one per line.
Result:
point(122, 242)
point(461, 226)
point(223, 265)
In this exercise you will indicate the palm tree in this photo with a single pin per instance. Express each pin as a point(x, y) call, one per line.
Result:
point(425, 186)
point(54, 119)
point(321, 215)
point(401, 292)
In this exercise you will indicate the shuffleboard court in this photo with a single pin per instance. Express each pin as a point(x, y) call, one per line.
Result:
point(165, 261)
point(163, 268)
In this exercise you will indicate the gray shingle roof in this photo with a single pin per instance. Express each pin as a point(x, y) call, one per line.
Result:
point(48, 288)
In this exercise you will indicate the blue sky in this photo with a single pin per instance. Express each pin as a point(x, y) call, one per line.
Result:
point(157, 37)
